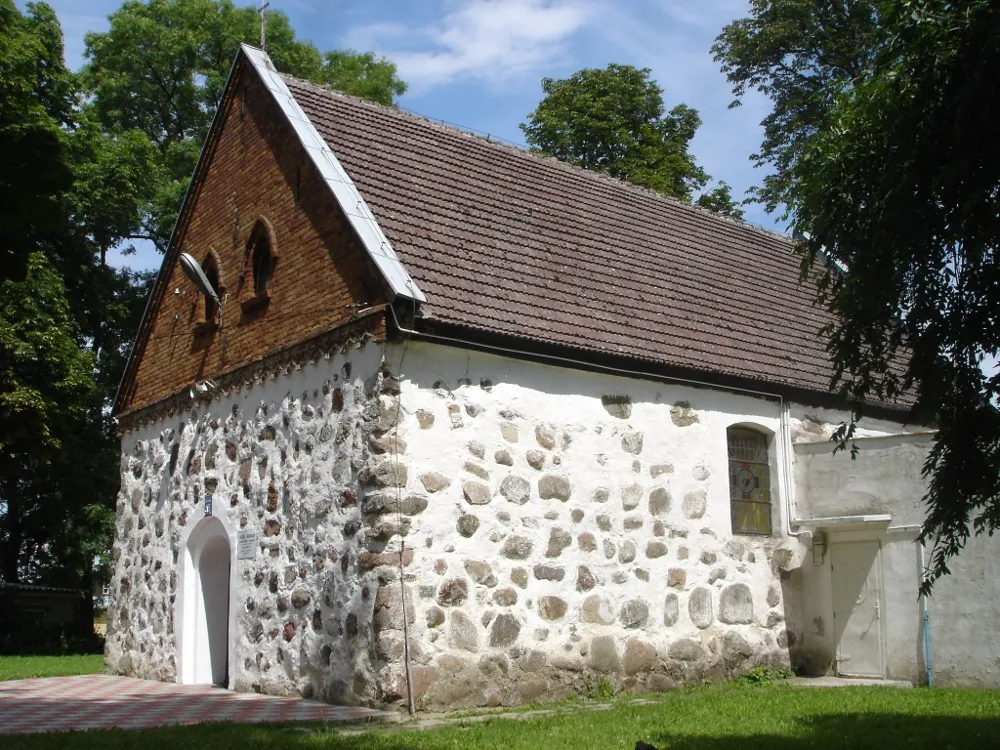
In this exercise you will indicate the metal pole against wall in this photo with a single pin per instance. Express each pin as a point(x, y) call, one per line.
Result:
point(411, 704)
point(921, 576)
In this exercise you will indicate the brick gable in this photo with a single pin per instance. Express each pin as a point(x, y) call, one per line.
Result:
point(254, 173)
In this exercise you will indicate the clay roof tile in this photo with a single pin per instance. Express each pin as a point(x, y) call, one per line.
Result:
point(506, 242)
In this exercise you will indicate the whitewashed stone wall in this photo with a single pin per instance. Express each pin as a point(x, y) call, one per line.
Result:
point(886, 478)
point(288, 457)
point(562, 546)
point(546, 542)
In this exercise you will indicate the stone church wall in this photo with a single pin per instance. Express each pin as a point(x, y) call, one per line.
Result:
point(554, 529)
point(561, 543)
point(288, 457)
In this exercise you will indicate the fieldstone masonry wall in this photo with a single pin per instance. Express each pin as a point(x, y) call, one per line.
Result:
point(562, 542)
point(554, 529)
point(303, 458)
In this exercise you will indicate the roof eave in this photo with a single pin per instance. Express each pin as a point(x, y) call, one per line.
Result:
point(584, 358)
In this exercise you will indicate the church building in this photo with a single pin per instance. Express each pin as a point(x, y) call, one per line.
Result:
point(462, 420)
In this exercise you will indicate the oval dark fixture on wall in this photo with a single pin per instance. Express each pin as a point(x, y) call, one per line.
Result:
point(192, 269)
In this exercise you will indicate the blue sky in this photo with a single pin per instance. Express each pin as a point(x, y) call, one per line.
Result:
point(479, 63)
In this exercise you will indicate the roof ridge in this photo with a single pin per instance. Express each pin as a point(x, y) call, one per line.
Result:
point(537, 156)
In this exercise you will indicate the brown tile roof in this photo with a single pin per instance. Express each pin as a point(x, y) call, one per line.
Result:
point(505, 242)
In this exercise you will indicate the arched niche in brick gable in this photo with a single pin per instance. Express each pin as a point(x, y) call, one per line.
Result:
point(261, 262)
point(212, 266)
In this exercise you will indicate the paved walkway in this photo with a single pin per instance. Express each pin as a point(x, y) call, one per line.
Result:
point(831, 681)
point(54, 704)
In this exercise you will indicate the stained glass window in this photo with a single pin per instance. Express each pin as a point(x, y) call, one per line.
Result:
point(749, 481)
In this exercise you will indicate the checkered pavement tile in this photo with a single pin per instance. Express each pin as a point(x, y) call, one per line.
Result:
point(56, 704)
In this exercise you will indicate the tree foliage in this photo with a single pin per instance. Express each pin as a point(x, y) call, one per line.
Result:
point(613, 120)
point(895, 178)
point(161, 69)
point(802, 54)
point(90, 163)
point(56, 305)
point(35, 101)
point(360, 74)
point(46, 385)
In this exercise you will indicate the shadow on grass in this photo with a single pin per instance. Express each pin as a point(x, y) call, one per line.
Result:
point(884, 731)
point(879, 731)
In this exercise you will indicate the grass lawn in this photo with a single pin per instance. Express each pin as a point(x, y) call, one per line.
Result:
point(21, 667)
point(716, 718)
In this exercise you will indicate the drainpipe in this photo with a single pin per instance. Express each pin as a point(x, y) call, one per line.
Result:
point(785, 426)
point(926, 615)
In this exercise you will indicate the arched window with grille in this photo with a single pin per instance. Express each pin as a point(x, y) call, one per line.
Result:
point(749, 481)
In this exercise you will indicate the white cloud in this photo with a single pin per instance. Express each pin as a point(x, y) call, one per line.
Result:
point(492, 40)
point(377, 35)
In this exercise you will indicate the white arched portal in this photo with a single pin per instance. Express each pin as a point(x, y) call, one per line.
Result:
point(204, 632)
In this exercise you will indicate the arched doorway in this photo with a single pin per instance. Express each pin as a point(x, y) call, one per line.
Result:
point(205, 629)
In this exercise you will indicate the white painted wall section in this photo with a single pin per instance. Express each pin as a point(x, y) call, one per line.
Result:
point(885, 479)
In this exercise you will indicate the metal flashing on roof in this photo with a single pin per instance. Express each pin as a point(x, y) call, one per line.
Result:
point(841, 522)
point(337, 179)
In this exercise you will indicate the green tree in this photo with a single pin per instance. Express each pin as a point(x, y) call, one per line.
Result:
point(361, 74)
point(66, 316)
point(720, 200)
point(35, 102)
point(45, 390)
point(613, 120)
point(895, 179)
point(162, 66)
point(108, 199)
point(802, 54)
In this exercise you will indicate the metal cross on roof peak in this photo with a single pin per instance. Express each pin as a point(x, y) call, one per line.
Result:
point(263, 22)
